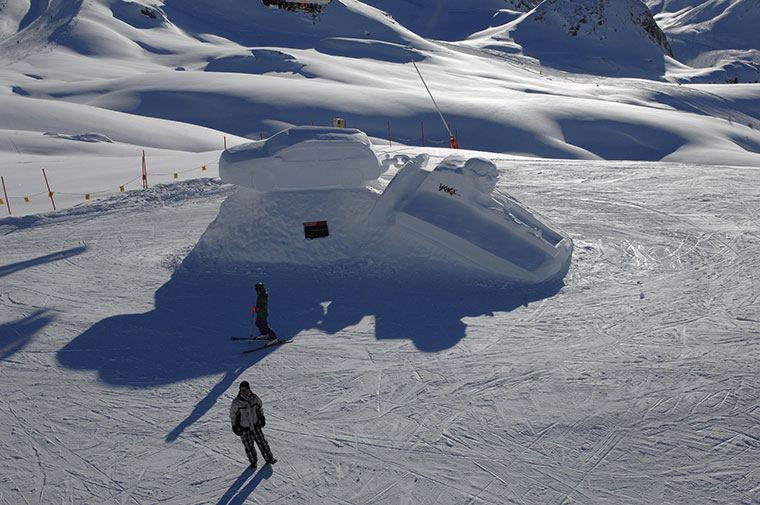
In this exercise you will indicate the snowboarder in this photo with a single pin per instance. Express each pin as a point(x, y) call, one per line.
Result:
point(247, 419)
point(262, 313)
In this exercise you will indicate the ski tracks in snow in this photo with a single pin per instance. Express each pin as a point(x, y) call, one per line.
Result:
point(635, 384)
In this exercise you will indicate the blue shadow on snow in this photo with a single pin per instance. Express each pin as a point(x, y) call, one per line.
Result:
point(15, 335)
point(188, 333)
point(48, 258)
point(236, 495)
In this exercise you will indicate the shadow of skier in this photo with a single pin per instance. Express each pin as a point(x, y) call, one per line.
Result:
point(235, 495)
point(16, 335)
point(206, 403)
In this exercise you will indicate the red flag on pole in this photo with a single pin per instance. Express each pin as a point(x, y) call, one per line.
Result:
point(50, 193)
point(6, 195)
point(144, 172)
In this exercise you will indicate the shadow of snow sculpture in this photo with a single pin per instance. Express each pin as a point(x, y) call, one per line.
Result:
point(370, 269)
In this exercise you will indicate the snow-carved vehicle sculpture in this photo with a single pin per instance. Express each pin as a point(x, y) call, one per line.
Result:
point(302, 157)
point(451, 213)
point(455, 207)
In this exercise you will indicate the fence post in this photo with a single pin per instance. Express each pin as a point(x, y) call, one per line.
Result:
point(390, 144)
point(7, 202)
point(50, 193)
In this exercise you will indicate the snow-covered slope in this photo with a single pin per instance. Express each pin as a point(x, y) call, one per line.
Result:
point(244, 70)
point(444, 20)
point(602, 37)
point(635, 383)
point(719, 37)
point(409, 379)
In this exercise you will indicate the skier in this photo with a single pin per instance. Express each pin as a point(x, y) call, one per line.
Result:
point(247, 419)
point(262, 313)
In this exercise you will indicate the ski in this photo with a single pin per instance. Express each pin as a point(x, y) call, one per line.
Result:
point(271, 343)
point(260, 337)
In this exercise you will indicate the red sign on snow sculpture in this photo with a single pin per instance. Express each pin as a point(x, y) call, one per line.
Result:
point(315, 229)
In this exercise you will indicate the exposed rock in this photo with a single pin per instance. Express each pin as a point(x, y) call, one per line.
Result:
point(602, 18)
point(522, 5)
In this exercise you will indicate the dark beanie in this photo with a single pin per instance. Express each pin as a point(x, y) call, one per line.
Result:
point(245, 384)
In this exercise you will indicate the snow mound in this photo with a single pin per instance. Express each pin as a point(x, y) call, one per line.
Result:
point(256, 61)
point(84, 137)
point(302, 157)
point(373, 49)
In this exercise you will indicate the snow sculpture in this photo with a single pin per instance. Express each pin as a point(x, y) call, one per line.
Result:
point(302, 158)
point(452, 213)
point(454, 206)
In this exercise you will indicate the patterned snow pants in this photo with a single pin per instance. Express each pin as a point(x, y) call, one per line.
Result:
point(263, 326)
point(255, 435)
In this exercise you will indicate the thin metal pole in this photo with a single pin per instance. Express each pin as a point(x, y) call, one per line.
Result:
point(50, 193)
point(7, 202)
point(144, 172)
point(433, 99)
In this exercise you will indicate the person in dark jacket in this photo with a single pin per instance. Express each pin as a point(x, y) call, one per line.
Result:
point(247, 419)
point(262, 312)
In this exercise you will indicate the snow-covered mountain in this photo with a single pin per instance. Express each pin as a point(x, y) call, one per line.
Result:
point(614, 37)
point(719, 37)
point(243, 69)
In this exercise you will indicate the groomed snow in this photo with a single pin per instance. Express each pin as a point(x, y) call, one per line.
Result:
point(635, 382)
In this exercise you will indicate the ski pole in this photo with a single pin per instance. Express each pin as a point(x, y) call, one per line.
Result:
point(253, 316)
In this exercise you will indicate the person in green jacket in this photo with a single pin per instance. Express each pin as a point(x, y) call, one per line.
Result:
point(262, 313)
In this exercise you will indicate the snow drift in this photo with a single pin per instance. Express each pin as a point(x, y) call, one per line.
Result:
point(449, 214)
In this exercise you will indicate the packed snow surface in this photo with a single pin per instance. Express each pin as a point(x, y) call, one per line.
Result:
point(635, 382)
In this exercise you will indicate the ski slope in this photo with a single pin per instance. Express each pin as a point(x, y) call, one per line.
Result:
point(409, 380)
point(634, 382)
